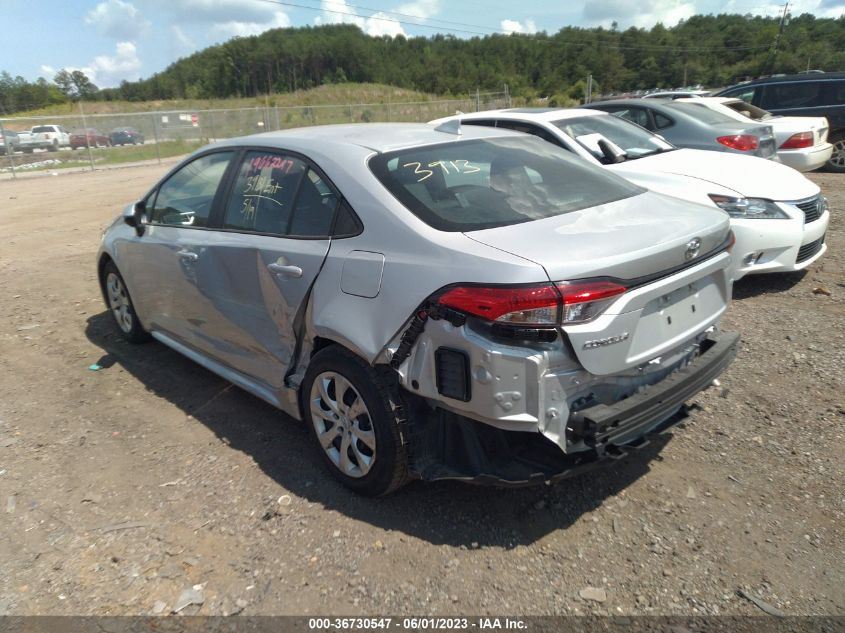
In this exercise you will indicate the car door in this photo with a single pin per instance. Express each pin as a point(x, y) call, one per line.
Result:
point(160, 266)
point(271, 239)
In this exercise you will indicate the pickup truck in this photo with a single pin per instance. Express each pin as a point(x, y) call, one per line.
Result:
point(9, 142)
point(49, 137)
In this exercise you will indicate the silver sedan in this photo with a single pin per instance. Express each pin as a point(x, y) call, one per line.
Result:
point(686, 123)
point(432, 302)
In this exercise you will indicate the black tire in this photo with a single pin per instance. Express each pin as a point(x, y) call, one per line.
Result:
point(131, 328)
point(384, 416)
point(836, 164)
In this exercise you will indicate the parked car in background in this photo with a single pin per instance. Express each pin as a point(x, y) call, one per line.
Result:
point(801, 140)
point(676, 94)
point(25, 142)
point(126, 136)
point(809, 94)
point(89, 137)
point(694, 128)
point(482, 306)
point(49, 137)
point(9, 141)
point(778, 215)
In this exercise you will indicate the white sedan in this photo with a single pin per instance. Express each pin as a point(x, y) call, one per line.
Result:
point(801, 140)
point(779, 217)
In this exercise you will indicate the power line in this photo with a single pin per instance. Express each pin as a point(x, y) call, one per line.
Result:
point(405, 22)
point(491, 31)
point(408, 15)
point(373, 17)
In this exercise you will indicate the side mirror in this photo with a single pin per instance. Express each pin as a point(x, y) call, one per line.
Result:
point(134, 216)
point(611, 153)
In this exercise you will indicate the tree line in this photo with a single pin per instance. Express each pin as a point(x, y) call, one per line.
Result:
point(709, 50)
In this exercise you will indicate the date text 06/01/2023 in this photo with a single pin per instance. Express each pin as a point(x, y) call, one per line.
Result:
point(416, 623)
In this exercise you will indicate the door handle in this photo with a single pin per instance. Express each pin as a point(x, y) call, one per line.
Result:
point(282, 269)
point(190, 256)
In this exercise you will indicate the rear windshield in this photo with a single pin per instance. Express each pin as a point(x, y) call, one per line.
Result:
point(748, 110)
point(43, 128)
point(471, 185)
point(700, 112)
point(630, 138)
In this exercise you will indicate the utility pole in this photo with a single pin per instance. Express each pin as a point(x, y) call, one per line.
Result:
point(773, 56)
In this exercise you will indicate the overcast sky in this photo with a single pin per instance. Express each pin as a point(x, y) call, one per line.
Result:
point(113, 40)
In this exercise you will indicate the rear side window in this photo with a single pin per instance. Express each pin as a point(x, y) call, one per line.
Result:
point(263, 195)
point(478, 184)
point(528, 128)
point(186, 197)
point(280, 195)
point(833, 93)
point(804, 94)
point(662, 122)
point(700, 112)
point(634, 115)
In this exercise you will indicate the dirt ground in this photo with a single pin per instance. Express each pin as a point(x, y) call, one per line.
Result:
point(122, 488)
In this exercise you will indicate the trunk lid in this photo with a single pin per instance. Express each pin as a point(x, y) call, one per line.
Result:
point(627, 239)
point(641, 240)
point(785, 126)
point(743, 174)
point(764, 133)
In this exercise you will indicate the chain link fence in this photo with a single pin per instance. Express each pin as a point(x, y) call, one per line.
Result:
point(120, 139)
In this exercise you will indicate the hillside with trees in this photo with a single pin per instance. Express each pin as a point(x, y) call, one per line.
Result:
point(709, 50)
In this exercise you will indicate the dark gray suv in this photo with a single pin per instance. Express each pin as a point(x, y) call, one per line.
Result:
point(812, 94)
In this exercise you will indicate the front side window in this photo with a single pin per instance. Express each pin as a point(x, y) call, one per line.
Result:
point(484, 183)
point(746, 94)
point(186, 197)
point(636, 142)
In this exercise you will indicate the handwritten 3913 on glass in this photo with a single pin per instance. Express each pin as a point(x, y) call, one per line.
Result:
point(459, 166)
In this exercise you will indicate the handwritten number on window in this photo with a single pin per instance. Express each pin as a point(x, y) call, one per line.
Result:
point(459, 166)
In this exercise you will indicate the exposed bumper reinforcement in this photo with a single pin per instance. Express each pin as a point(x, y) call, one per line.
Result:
point(445, 445)
point(603, 425)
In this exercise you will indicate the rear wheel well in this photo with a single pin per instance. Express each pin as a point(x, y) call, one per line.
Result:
point(321, 343)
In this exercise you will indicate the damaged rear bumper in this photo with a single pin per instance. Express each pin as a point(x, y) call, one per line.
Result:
point(446, 445)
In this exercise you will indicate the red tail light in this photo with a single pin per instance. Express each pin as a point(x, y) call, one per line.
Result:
point(584, 301)
point(546, 305)
point(798, 141)
point(741, 142)
point(534, 305)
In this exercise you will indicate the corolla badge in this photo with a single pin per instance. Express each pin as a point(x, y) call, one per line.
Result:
point(603, 342)
point(693, 246)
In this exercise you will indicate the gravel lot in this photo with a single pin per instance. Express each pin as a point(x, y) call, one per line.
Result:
point(122, 488)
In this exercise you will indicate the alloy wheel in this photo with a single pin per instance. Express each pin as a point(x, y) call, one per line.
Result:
point(119, 302)
point(838, 156)
point(343, 424)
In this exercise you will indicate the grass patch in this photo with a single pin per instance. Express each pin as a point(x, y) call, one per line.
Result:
point(331, 94)
point(28, 163)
